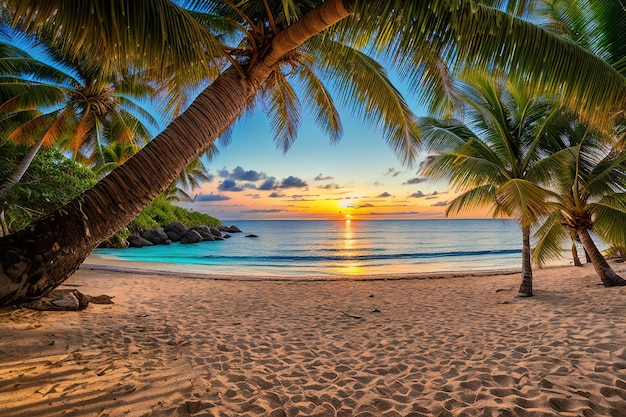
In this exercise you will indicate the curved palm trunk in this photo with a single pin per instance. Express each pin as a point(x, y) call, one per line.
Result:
point(575, 255)
point(603, 269)
point(21, 169)
point(40, 257)
point(526, 287)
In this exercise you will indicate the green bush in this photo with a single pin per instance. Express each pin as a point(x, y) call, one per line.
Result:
point(51, 181)
point(161, 213)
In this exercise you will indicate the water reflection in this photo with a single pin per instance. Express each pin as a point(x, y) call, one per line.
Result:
point(351, 265)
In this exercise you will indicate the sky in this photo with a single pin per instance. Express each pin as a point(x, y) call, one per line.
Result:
point(358, 178)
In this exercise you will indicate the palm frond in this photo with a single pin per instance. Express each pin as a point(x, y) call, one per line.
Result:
point(321, 103)
point(524, 200)
point(284, 112)
point(160, 37)
point(364, 86)
point(477, 198)
point(549, 239)
point(609, 218)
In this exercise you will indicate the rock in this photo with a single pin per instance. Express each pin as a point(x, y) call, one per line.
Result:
point(204, 231)
point(215, 231)
point(157, 236)
point(59, 300)
point(230, 229)
point(136, 241)
point(252, 236)
point(175, 231)
point(191, 236)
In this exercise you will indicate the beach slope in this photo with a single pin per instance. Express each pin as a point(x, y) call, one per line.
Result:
point(173, 346)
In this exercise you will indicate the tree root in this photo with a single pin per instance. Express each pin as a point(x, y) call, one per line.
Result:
point(65, 300)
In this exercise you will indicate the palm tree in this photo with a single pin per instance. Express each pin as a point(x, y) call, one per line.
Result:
point(497, 159)
point(591, 196)
point(276, 37)
point(49, 100)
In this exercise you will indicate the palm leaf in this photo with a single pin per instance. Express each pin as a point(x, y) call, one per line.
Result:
point(524, 200)
point(284, 111)
point(550, 237)
point(364, 86)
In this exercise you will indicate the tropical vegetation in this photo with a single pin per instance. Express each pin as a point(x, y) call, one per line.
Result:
point(252, 51)
point(590, 195)
point(497, 159)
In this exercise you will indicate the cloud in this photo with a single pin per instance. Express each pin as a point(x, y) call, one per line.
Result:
point(268, 184)
point(293, 182)
point(212, 197)
point(393, 172)
point(329, 187)
point(385, 194)
point(440, 204)
point(418, 194)
point(276, 195)
point(412, 181)
point(395, 213)
point(229, 185)
point(242, 175)
point(321, 177)
point(262, 211)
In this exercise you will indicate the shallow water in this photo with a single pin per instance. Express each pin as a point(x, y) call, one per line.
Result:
point(292, 247)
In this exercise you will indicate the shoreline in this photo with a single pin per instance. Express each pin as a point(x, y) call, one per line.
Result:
point(154, 268)
point(410, 347)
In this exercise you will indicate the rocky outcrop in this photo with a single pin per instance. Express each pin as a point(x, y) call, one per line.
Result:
point(230, 229)
point(136, 241)
point(175, 231)
point(178, 232)
point(205, 232)
point(156, 236)
point(192, 236)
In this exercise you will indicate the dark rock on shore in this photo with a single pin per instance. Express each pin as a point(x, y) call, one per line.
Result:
point(205, 232)
point(230, 229)
point(157, 236)
point(192, 236)
point(175, 231)
point(136, 241)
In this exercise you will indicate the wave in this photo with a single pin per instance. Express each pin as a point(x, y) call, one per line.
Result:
point(357, 257)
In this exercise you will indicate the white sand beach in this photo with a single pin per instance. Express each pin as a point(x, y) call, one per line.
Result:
point(456, 346)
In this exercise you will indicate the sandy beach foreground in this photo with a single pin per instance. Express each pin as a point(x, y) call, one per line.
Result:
point(462, 346)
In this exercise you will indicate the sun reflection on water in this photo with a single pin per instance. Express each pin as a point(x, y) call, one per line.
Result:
point(349, 248)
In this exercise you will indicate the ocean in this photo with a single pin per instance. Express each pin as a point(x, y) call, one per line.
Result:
point(351, 247)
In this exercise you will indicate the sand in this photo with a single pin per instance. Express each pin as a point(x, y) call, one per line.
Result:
point(456, 346)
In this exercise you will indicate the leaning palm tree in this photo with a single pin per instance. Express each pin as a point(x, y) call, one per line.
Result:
point(277, 36)
point(496, 160)
point(590, 196)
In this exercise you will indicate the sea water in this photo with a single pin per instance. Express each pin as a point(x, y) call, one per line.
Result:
point(351, 247)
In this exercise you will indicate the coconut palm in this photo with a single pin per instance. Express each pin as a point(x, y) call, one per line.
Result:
point(591, 196)
point(48, 100)
point(496, 160)
point(278, 39)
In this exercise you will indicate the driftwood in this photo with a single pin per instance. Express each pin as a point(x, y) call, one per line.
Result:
point(65, 300)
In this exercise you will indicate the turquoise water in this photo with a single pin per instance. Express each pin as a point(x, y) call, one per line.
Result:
point(319, 248)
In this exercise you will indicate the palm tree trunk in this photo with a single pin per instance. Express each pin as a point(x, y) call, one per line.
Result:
point(37, 259)
point(603, 269)
point(21, 169)
point(4, 229)
point(526, 287)
point(575, 255)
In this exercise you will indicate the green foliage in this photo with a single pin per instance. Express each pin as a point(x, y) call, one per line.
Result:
point(51, 181)
point(161, 213)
